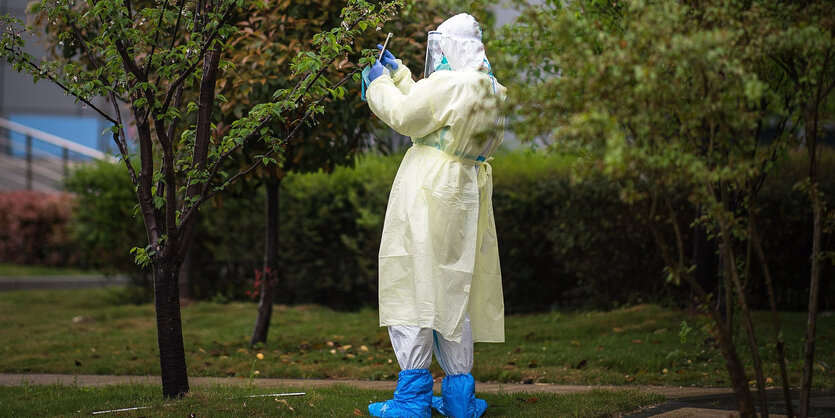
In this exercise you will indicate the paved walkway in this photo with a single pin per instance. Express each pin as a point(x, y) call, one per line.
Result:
point(701, 402)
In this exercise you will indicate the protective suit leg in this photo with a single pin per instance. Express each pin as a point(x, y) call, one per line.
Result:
point(457, 398)
point(412, 346)
point(413, 395)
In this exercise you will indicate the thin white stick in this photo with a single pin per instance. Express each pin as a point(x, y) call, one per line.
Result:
point(276, 394)
point(248, 396)
point(120, 410)
point(384, 47)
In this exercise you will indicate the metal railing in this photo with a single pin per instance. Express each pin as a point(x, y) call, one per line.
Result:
point(41, 161)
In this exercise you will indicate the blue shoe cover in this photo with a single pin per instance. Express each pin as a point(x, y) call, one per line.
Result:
point(458, 398)
point(412, 398)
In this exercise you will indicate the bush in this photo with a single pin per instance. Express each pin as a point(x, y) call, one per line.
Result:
point(330, 234)
point(105, 221)
point(228, 244)
point(571, 245)
point(33, 229)
point(562, 244)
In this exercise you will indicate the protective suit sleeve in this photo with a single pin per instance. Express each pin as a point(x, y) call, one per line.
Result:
point(429, 105)
point(402, 78)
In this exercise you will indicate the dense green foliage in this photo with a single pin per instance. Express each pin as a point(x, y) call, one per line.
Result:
point(575, 242)
point(105, 216)
point(693, 99)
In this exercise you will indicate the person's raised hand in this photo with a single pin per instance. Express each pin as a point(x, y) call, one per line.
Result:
point(376, 71)
point(388, 59)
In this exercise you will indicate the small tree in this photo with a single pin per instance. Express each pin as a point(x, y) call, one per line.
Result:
point(148, 58)
point(675, 97)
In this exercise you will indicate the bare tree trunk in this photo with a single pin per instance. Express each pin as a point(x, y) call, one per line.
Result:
point(811, 131)
point(169, 330)
point(270, 273)
point(778, 332)
point(187, 270)
point(811, 321)
point(736, 372)
point(722, 335)
point(747, 323)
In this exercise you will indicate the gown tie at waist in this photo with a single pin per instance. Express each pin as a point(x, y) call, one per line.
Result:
point(485, 170)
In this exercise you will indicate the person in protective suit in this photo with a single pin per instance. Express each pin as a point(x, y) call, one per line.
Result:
point(440, 284)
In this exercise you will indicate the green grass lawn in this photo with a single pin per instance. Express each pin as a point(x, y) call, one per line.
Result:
point(89, 332)
point(335, 401)
point(16, 270)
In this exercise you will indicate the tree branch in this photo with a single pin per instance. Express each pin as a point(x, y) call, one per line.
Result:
point(50, 77)
point(205, 194)
point(120, 139)
point(156, 36)
point(173, 87)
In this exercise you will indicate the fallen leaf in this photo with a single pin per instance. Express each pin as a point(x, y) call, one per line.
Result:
point(531, 400)
point(575, 343)
point(285, 403)
point(357, 412)
point(637, 341)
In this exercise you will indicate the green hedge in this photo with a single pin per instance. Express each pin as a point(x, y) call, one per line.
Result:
point(562, 244)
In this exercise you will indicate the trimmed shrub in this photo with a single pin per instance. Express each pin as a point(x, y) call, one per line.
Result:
point(33, 229)
point(563, 245)
point(105, 221)
point(330, 233)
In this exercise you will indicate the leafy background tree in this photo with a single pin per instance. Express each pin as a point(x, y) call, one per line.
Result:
point(696, 98)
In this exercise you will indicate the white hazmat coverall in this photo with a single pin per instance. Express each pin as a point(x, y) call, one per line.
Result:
point(439, 276)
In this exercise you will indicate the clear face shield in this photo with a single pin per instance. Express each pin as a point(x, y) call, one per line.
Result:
point(435, 59)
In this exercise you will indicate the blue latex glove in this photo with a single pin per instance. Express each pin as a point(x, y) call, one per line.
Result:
point(376, 71)
point(388, 59)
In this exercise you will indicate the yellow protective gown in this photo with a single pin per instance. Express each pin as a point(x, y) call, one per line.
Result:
point(439, 258)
